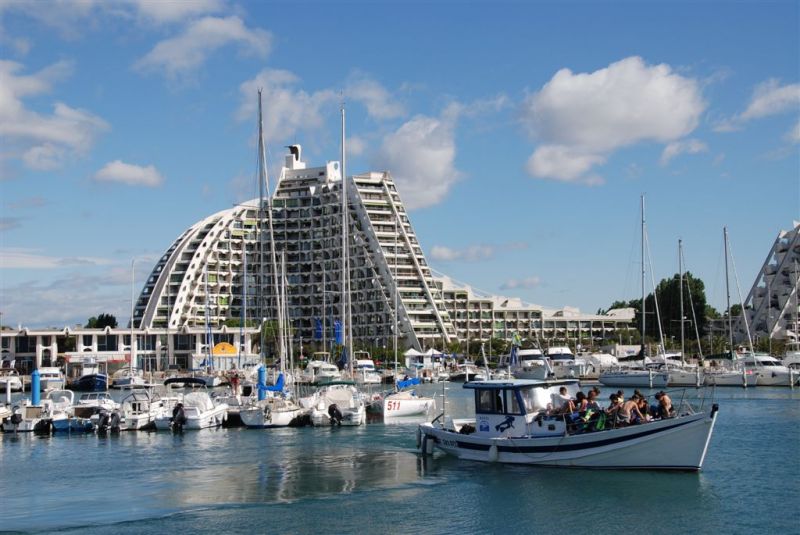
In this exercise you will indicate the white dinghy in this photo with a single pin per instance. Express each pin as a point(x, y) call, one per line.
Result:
point(513, 424)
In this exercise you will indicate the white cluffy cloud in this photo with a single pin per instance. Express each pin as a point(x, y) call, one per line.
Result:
point(769, 98)
point(688, 146)
point(526, 283)
point(287, 109)
point(377, 99)
point(18, 258)
point(181, 55)
point(42, 141)
point(580, 119)
point(421, 156)
point(472, 253)
point(130, 174)
point(175, 11)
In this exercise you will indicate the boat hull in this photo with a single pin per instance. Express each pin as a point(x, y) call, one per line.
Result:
point(394, 408)
point(261, 418)
point(730, 379)
point(671, 444)
point(643, 380)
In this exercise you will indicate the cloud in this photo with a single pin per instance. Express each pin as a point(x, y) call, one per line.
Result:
point(42, 142)
point(9, 223)
point(56, 303)
point(421, 157)
point(287, 109)
point(379, 102)
point(472, 253)
point(356, 145)
point(181, 55)
point(17, 258)
point(175, 11)
point(581, 119)
point(793, 135)
point(688, 146)
point(130, 174)
point(769, 98)
point(514, 284)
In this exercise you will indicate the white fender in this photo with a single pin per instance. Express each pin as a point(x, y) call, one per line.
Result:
point(493, 454)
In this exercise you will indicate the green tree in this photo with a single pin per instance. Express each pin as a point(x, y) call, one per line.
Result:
point(102, 321)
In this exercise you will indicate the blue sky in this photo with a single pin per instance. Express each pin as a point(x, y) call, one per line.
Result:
point(521, 135)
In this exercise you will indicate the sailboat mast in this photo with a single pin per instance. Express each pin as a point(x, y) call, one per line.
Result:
point(133, 364)
point(643, 288)
point(347, 328)
point(728, 292)
point(396, 309)
point(208, 322)
point(263, 187)
point(680, 274)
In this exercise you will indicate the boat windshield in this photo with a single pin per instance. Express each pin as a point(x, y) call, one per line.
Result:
point(496, 401)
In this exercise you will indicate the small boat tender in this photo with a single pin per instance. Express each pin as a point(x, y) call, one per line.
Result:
point(515, 423)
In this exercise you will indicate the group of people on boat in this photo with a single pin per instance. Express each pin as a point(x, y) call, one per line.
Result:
point(584, 412)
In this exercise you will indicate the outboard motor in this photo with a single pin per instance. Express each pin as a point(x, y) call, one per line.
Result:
point(16, 417)
point(114, 422)
point(334, 414)
point(103, 422)
point(178, 418)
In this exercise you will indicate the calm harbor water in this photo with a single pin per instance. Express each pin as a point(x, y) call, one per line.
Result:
point(369, 480)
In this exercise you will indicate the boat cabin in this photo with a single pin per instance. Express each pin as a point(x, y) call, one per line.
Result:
point(508, 408)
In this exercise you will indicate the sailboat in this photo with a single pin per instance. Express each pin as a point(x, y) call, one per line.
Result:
point(637, 377)
point(404, 401)
point(340, 402)
point(738, 376)
point(273, 406)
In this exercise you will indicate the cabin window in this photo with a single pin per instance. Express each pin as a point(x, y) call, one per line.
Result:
point(486, 401)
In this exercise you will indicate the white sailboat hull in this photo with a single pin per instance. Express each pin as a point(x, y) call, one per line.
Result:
point(730, 379)
point(261, 417)
point(636, 379)
point(397, 407)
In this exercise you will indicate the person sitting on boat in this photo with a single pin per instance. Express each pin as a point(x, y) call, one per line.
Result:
point(591, 400)
point(581, 402)
point(643, 410)
point(334, 414)
point(629, 412)
point(562, 403)
point(664, 405)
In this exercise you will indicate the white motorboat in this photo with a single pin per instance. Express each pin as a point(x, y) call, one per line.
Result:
point(9, 377)
point(365, 372)
point(139, 410)
point(92, 403)
point(273, 411)
point(320, 371)
point(564, 364)
point(791, 359)
point(336, 403)
point(769, 371)
point(128, 378)
point(27, 417)
point(636, 377)
point(513, 425)
point(51, 378)
point(531, 364)
point(467, 371)
point(196, 411)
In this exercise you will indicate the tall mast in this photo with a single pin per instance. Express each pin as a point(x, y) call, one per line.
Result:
point(680, 271)
point(396, 309)
point(347, 328)
point(263, 188)
point(728, 292)
point(643, 288)
point(133, 364)
point(208, 321)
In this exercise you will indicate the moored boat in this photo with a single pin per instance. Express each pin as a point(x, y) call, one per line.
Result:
point(514, 425)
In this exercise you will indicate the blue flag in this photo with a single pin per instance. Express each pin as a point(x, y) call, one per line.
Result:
point(317, 329)
point(342, 362)
point(338, 334)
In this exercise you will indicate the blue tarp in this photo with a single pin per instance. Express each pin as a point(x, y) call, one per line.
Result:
point(317, 329)
point(408, 382)
point(278, 387)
